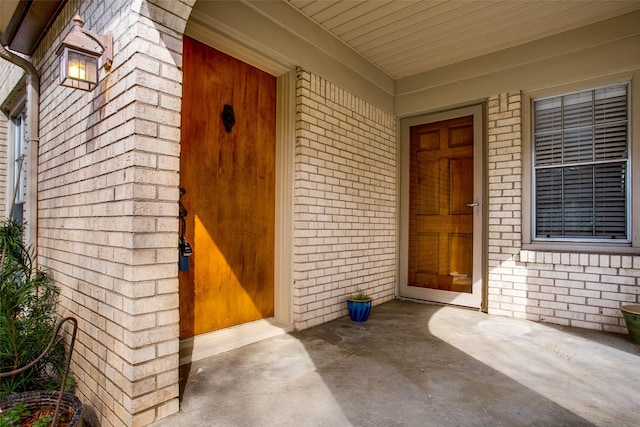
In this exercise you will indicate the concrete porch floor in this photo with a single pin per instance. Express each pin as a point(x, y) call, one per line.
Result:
point(416, 364)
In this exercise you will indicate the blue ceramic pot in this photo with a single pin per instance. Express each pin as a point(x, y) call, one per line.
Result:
point(359, 309)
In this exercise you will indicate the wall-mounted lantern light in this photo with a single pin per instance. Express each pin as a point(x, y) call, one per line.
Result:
point(80, 53)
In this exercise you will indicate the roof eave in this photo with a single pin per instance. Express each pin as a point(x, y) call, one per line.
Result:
point(29, 22)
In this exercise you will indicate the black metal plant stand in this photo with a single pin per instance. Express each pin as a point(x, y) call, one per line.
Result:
point(74, 322)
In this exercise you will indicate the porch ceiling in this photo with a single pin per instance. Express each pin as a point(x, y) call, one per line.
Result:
point(408, 37)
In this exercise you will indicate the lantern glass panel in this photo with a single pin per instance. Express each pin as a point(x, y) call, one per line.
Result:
point(78, 70)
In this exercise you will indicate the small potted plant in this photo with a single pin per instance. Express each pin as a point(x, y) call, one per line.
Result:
point(631, 315)
point(359, 306)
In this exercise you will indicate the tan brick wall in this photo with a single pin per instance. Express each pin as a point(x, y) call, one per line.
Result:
point(345, 200)
point(573, 289)
point(108, 193)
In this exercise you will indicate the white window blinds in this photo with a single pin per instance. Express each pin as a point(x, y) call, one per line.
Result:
point(581, 161)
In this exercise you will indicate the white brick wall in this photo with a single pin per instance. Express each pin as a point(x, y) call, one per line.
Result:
point(582, 290)
point(574, 289)
point(345, 201)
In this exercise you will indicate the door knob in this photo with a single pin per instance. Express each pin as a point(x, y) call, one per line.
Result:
point(473, 205)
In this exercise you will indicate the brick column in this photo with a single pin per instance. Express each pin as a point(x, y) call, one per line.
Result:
point(108, 203)
point(507, 277)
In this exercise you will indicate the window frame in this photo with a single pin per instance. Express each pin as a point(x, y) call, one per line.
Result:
point(578, 162)
point(529, 242)
point(17, 111)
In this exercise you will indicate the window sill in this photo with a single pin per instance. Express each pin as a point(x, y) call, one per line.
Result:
point(599, 248)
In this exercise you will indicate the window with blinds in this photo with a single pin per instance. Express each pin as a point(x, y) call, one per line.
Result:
point(581, 165)
point(19, 176)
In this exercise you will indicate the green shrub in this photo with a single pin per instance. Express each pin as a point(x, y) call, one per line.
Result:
point(28, 318)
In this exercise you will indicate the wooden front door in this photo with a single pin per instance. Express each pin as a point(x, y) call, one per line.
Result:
point(229, 181)
point(442, 209)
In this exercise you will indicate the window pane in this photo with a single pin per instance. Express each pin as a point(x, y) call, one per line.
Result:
point(610, 196)
point(611, 142)
point(549, 149)
point(18, 150)
point(578, 146)
point(578, 110)
point(548, 114)
point(578, 201)
point(585, 201)
point(549, 202)
point(611, 104)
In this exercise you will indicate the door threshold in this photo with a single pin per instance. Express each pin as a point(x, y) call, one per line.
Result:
point(440, 303)
point(212, 343)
